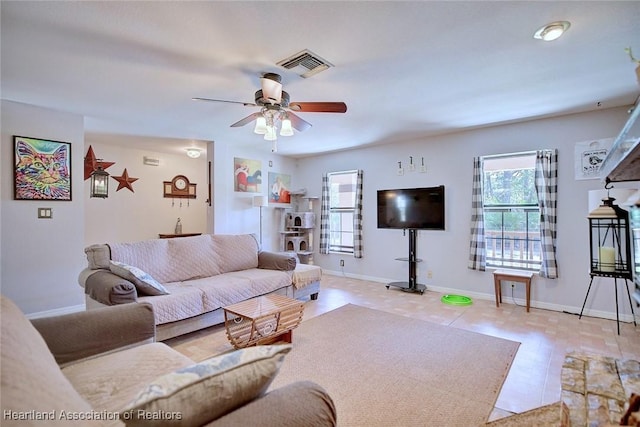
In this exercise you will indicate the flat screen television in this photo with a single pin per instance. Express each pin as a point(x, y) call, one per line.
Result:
point(407, 208)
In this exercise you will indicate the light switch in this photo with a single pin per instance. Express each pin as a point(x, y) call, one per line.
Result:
point(45, 213)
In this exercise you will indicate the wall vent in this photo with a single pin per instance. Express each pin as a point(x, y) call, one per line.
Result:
point(305, 63)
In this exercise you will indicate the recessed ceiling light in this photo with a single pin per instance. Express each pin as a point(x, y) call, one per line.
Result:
point(194, 153)
point(552, 31)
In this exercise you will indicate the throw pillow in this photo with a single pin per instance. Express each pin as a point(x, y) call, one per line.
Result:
point(145, 284)
point(203, 392)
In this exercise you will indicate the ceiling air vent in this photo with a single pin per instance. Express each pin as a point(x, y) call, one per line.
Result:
point(305, 63)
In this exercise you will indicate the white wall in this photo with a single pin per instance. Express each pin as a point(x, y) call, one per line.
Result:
point(449, 162)
point(233, 211)
point(127, 216)
point(41, 258)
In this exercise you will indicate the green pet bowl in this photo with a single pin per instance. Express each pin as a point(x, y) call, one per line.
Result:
point(456, 300)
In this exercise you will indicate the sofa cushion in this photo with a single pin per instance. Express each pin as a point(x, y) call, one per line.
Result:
point(236, 252)
point(170, 260)
point(145, 284)
point(193, 257)
point(148, 255)
point(185, 301)
point(31, 379)
point(231, 288)
point(207, 390)
point(109, 382)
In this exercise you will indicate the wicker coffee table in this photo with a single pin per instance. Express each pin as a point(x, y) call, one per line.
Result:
point(263, 320)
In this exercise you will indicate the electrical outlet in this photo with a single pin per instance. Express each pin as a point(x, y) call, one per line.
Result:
point(341, 263)
point(429, 274)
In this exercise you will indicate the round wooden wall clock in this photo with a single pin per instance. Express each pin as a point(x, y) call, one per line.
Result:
point(180, 187)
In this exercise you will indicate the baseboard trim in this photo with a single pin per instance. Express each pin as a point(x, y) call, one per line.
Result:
point(56, 311)
point(627, 318)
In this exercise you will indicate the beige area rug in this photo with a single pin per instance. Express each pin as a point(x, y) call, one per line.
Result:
point(383, 369)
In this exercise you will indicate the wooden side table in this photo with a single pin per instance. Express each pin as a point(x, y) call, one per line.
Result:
point(262, 320)
point(512, 276)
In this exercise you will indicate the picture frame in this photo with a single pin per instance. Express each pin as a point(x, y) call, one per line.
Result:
point(247, 175)
point(279, 189)
point(42, 169)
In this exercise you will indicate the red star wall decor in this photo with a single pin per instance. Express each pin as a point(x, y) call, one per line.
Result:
point(91, 163)
point(124, 181)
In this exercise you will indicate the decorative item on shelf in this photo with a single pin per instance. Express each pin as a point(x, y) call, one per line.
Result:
point(125, 181)
point(178, 229)
point(99, 185)
point(610, 247)
point(179, 188)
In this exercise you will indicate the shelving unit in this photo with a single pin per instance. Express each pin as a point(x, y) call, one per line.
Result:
point(297, 228)
point(623, 164)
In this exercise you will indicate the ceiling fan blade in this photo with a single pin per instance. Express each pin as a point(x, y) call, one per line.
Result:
point(298, 124)
point(247, 120)
point(318, 107)
point(246, 104)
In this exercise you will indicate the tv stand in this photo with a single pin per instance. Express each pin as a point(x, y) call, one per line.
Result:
point(412, 285)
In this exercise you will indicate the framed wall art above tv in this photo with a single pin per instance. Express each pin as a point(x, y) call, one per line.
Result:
point(42, 169)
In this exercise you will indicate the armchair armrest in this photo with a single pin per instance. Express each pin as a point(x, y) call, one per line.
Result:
point(303, 403)
point(276, 261)
point(76, 336)
point(110, 289)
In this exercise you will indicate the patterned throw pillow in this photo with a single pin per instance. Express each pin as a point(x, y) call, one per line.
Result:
point(145, 284)
point(203, 392)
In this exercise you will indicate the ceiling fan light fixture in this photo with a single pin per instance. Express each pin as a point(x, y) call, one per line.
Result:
point(271, 88)
point(261, 126)
point(552, 31)
point(271, 134)
point(287, 129)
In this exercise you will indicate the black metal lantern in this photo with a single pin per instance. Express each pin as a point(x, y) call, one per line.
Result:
point(99, 183)
point(610, 241)
point(610, 245)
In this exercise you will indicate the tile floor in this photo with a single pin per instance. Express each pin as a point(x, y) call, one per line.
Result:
point(545, 336)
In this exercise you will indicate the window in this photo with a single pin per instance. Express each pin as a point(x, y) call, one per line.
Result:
point(511, 213)
point(342, 203)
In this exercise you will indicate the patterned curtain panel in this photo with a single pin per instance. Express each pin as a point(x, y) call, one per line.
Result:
point(546, 182)
point(324, 216)
point(477, 250)
point(357, 219)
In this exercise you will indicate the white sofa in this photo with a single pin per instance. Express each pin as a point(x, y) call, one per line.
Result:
point(201, 274)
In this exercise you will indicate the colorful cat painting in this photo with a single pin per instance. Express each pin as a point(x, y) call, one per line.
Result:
point(43, 170)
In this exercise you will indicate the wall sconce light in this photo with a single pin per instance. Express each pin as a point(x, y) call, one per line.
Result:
point(194, 153)
point(99, 183)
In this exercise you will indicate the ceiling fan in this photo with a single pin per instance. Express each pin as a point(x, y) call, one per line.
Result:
point(277, 109)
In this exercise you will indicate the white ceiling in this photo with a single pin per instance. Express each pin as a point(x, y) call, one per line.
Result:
point(404, 69)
